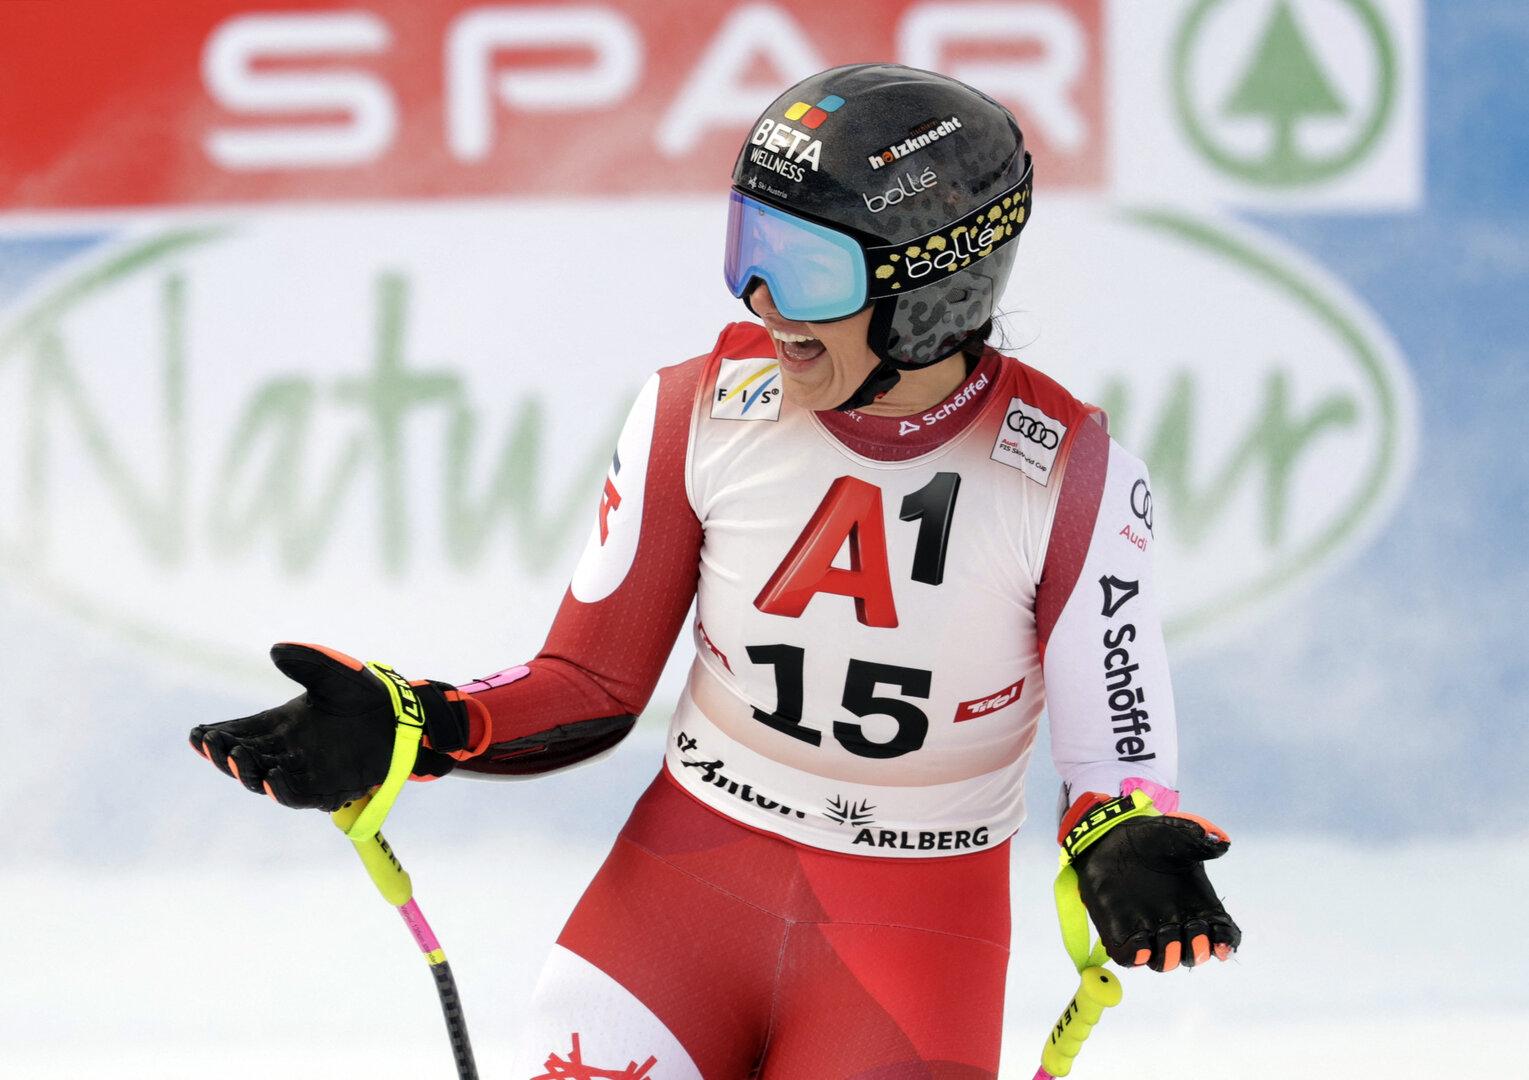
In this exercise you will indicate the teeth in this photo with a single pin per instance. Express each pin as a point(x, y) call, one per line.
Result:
point(781, 335)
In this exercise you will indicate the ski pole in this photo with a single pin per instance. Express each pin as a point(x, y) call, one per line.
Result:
point(361, 820)
point(1097, 989)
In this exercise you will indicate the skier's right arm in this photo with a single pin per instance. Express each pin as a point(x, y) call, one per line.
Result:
point(622, 612)
point(580, 695)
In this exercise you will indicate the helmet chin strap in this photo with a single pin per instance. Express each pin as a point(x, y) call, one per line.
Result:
point(881, 379)
point(886, 374)
point(887, 371)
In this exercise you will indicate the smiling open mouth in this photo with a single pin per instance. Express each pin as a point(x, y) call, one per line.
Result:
point(798, 348)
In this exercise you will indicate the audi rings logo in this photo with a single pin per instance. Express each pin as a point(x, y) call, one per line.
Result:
point(1029, 440)
point(1141, 503)
point(1021, 423)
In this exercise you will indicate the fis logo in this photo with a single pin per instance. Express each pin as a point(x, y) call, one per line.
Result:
point(747, 390)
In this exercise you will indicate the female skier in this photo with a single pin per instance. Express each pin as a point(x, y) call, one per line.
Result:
point(903, 545)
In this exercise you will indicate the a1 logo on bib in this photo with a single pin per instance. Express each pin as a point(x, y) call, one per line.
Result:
point(1028, 440)
point(747, 390)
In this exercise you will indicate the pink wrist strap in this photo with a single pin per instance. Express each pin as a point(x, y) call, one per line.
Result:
point(498, 678)
point(1165, 799)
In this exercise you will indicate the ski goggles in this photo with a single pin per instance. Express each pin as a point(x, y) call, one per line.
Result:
point(819, 274)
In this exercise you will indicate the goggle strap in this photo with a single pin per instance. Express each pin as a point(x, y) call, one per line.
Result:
point(896, 268)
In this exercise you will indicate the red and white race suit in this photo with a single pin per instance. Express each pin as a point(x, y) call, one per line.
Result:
point(884, 607)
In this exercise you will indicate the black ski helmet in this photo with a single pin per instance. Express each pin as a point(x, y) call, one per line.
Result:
point(913, 166)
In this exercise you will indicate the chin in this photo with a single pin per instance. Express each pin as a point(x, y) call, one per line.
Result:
point(814, 400)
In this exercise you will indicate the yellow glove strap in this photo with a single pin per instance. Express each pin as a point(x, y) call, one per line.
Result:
point(407, 733)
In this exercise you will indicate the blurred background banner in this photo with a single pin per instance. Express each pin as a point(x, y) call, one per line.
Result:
point(318, 322)
point(1296, 103)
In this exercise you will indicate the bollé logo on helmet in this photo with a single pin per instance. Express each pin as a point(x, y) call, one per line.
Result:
point(907, 185)
point(782, 148)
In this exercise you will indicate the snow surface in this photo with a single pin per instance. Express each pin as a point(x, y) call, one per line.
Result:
point(1361, 960)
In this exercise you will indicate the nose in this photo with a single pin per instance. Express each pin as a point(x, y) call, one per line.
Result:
point(760, 302)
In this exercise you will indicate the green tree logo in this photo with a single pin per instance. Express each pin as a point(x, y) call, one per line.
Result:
point(1284, 84)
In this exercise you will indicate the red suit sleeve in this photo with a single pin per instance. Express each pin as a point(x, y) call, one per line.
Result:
point(622, 612)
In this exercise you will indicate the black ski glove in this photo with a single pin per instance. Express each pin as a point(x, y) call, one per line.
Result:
point(334, 743)
point(1143, 882)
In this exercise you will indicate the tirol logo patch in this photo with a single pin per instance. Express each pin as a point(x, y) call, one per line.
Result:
point(982, 706)
point(1028, 440)
point(747, 390)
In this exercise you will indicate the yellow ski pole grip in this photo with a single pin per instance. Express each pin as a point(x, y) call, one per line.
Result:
point(386, 872)
point(407, 733)
point(1098, 990)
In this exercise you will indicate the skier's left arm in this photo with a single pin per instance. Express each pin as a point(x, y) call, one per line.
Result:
point(1108, 691)
point(1113, 726)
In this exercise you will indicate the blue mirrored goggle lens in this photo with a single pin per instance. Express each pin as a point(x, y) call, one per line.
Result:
point(814, 273)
